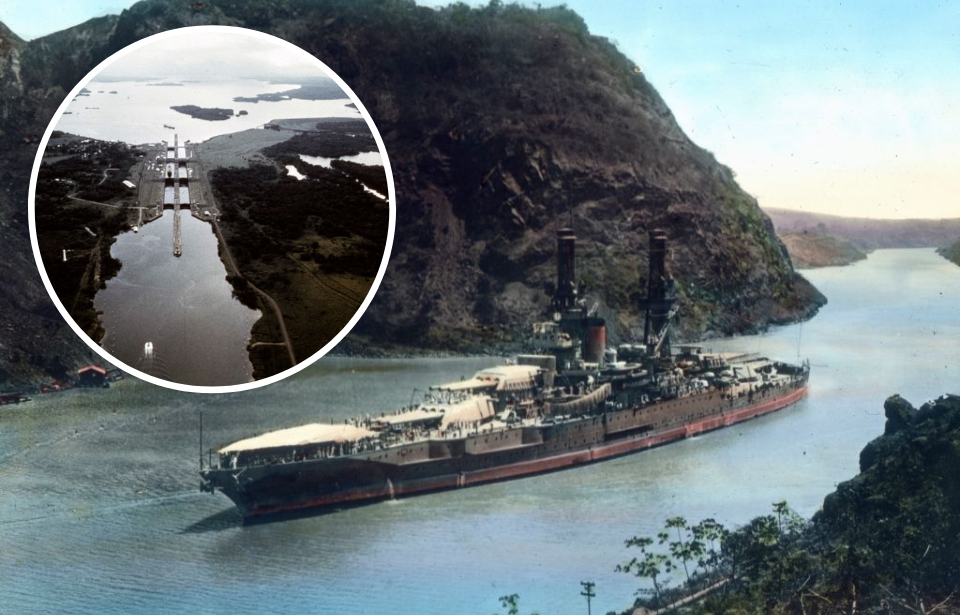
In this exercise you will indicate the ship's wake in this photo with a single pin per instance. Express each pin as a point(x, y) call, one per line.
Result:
point(151, 363)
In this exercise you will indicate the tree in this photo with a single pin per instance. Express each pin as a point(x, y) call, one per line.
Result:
point(683, 549)
point(712, 534)
point(649, 566)
point(511, 602)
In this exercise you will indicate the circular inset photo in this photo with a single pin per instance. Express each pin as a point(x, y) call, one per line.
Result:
point(212, 209)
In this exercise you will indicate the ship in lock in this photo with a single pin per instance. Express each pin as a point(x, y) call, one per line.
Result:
point(571, 401)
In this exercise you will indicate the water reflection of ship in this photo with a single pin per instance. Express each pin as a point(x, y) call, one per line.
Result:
point(151, 363)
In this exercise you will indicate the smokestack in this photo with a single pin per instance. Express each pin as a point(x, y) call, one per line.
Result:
point(660, 300)
point(565, 296)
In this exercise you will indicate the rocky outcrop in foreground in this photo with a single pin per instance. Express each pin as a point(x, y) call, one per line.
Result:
point(887, 541)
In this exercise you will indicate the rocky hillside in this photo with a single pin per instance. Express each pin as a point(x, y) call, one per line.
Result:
point(500, 122)
point(813, 249)
point(35, 343)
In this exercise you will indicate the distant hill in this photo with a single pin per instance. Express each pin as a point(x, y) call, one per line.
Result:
point(867, 233)
point(810, 249)
point(951, 252)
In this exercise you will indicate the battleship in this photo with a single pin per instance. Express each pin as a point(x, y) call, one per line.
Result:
point(572, 400)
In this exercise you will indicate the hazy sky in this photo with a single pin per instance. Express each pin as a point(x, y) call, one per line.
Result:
point(837, 107)
point(212, 57)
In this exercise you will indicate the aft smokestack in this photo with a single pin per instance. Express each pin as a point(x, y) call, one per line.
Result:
point(659, 304)
point(565, 296)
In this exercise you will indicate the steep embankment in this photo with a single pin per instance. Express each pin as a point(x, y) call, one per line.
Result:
point(500, 122)
point(811, 249)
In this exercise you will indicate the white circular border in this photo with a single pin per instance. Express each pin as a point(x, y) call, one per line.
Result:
point(391, 204)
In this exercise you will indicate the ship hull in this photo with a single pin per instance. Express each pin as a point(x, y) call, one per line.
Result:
point(275, 491)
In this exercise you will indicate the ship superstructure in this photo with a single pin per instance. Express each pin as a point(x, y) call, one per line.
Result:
point(571, 400)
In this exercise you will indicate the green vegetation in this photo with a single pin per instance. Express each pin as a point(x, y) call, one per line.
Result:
point(511, 603)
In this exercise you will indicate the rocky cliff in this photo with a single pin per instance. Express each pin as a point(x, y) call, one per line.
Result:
point(898, 521)
point(500, 123)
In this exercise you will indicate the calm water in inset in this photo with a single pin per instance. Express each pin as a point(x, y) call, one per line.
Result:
point(138, 111)
point(368, 158)
point(102, 512)
point(183, 305)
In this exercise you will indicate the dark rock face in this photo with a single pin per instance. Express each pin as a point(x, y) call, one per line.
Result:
point(500, 123)
point(899, 414)
point(901, 514)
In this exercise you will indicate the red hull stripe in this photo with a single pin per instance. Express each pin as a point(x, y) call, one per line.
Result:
point(537, 466)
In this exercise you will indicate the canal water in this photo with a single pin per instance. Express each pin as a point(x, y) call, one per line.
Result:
point(102, 514)
point(367, 158)
point(183, 306)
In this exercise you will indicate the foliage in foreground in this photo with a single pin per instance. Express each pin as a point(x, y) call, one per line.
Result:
point(887, 541)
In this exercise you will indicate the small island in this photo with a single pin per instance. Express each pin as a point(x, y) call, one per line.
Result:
point(213, 114)
point(242, 112)
point(322, 89)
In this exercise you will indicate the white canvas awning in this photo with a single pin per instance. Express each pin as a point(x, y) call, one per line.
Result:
point(473, 410)
point(413, 416)
point(512, 377)
point(314, 433)
point(470, 384)
point(502, 378)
